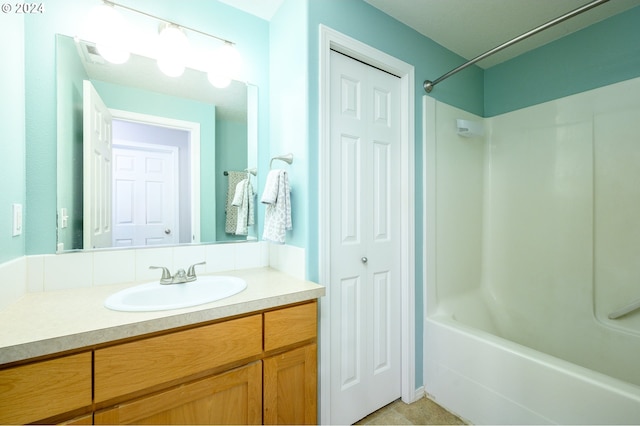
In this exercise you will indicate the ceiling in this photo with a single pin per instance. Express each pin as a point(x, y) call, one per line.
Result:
point(472, 27)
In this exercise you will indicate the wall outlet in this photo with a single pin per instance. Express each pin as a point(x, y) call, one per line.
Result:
point(17, 219)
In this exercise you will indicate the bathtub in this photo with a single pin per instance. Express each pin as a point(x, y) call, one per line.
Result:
point(486, 379)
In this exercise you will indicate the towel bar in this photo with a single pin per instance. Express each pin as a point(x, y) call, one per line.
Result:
point(287, 158)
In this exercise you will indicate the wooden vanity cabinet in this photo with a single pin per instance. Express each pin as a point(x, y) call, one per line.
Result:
point(252, 369)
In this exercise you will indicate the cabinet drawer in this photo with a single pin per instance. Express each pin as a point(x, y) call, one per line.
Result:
point(45, 389)
point(131, 367)
point(290, 325)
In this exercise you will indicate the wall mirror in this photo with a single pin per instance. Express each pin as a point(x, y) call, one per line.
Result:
point(179, 148)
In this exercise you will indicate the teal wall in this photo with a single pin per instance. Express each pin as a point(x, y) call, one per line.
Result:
point(251, 35)
point(12, 122)
point(602, 54)
point(152, 103)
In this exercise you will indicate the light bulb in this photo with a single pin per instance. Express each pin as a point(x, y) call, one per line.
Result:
point(108, 29)
point(226, 64)
point(218, 80)
point(173, 48)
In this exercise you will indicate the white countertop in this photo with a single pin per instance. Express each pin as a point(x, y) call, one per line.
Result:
point(46, 323)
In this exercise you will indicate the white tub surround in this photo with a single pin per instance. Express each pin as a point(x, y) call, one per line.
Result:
point(533, 237)
point(45, 323)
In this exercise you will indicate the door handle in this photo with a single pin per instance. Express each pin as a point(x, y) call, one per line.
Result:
point(364, 260)
point(167, 231)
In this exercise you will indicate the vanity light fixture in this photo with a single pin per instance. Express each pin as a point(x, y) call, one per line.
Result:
point(108, 30)
point(226, 64)
point(173, 47)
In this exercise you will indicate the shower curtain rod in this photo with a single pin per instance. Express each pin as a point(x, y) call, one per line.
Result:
point(428, 84)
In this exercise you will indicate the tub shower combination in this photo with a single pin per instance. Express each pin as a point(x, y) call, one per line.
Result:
point(533, 240)
point(532, 261)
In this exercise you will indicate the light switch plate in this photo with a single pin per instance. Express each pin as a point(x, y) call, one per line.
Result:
point(17, 219)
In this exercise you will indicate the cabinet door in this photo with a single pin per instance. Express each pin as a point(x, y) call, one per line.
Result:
point(229, 398)
point(290, 387)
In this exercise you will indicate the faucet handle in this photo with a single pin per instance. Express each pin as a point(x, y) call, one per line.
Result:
point(166, 275)
point(191, 272)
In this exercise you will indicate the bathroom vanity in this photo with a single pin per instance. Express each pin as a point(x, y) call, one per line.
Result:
point(247, 359)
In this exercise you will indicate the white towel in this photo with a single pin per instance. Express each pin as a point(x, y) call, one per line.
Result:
point(243, 200)
point(277, 215)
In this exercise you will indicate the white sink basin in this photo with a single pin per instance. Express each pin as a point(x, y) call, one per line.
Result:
point(154, 296)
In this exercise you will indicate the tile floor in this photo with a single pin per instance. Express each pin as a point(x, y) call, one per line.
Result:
point(421, 412)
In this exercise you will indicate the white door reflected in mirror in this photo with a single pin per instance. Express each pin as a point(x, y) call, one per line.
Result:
point(145, 194)
point(97, 150)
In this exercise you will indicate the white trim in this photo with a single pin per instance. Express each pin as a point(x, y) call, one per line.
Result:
point(331, 39)
point(194, 129)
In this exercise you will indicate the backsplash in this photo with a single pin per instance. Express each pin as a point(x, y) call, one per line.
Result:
point(86, 269)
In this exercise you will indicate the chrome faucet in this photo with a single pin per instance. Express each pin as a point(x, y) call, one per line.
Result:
point(180, 276)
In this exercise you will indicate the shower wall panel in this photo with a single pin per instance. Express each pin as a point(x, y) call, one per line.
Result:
point(539, 229)
point(459, 204)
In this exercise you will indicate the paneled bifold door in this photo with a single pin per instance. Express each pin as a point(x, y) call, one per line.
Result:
point(365, 239)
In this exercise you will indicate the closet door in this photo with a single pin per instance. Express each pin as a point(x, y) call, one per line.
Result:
point(365, 234)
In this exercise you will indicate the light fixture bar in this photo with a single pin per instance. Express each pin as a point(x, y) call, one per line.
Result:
point(109, 2)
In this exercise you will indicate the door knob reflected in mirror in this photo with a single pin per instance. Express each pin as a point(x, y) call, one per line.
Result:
point(167, 231)
point(364, 260)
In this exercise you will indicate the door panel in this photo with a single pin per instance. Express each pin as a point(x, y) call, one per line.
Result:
point(350, 198)
point(365, 239)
